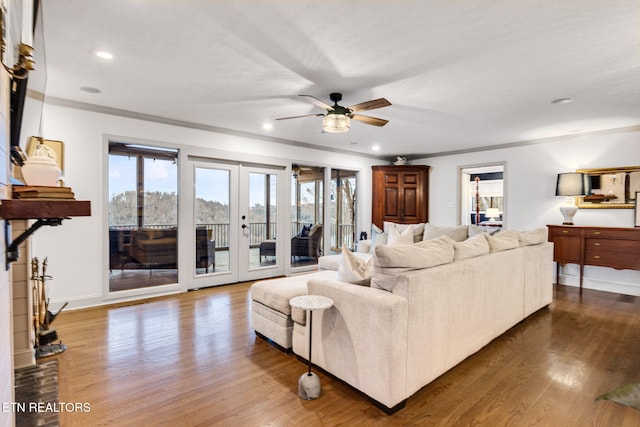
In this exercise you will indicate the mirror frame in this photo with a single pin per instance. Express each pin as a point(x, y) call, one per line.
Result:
point(582, 204)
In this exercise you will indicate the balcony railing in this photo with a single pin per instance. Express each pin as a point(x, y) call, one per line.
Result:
point(258, 233)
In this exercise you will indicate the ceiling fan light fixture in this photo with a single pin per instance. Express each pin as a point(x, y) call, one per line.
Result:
point(336, 123)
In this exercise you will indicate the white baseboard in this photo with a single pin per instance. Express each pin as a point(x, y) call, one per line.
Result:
point(601, 285)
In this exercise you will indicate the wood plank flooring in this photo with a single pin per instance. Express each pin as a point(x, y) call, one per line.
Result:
point(193, 360)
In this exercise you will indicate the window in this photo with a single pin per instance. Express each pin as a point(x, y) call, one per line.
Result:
point(143, 216)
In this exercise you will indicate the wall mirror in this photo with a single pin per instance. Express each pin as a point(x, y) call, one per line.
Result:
point(611, 188)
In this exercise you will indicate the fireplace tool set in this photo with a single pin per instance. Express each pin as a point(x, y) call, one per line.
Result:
point(45, 336)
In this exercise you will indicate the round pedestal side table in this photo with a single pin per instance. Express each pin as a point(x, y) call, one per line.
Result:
point(309, 383)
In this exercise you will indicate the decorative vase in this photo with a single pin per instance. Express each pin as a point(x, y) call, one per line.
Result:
point(41, 169)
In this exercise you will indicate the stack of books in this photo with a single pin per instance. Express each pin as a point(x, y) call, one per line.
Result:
point(33, 192)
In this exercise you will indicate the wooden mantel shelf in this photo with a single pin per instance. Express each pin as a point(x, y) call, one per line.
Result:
point(45, 212)
point(46, 209)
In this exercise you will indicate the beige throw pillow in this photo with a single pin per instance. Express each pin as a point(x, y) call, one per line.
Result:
point(418, 229)
point(391, 261)
point(472, 247)
point(534, 237)
point(503, 241)
point(458, 233)
point(397, 238)
point(353, 269)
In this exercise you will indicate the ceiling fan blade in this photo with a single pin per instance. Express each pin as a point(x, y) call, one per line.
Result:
point(319, 103)
point(370, 120)
point(370, 105)
point(297, 117)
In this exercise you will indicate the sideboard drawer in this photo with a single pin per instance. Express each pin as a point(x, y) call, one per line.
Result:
point(620, 254)
point(612, 234)
point(565, 232)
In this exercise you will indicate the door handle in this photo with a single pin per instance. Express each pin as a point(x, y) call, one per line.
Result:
point(244, 225)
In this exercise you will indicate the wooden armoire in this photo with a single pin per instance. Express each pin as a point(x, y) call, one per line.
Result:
point(400, 194)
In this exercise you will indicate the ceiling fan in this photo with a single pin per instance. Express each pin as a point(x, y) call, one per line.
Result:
point(338, 118)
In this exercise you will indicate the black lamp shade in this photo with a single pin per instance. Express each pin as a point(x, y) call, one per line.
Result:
point(573, 184)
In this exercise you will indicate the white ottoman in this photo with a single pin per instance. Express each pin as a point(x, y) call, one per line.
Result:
point(271, 314)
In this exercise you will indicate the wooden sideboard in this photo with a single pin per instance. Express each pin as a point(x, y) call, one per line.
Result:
point(617, 248)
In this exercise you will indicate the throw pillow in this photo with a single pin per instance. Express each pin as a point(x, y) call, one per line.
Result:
point(397, 238)
point(378, 237)
point(418, 229)
point(534, 237)
point(503, 241)
point(314, 229)
point(458, 233)
point(472, 247)
point(353, 269)
point(305, 231)
point(391, 261)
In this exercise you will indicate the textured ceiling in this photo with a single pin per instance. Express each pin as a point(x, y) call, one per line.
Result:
point(460, 75)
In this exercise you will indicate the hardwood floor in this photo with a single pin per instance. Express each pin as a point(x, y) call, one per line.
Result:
point(193, 359)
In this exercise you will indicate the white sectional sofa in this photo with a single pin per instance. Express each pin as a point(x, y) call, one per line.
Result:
point(388, 343)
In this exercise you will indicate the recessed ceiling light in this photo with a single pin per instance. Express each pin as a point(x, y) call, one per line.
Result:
point(562, 101)
point(103, 54)
point(267, 126)
point(89, 89)
point(375, 148)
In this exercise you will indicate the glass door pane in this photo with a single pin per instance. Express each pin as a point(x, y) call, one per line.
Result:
point(306, 215)
point(143, 217)
point(263, 215)
point(343, 210)
point(212, 225)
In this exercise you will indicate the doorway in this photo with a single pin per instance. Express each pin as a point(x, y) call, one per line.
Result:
point(235, 223)
point(482, 195)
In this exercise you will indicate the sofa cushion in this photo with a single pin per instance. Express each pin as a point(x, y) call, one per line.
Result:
point(417, 229)
point(354, 269)
point(458, 233)
point(503, 241)
point(276, 293)
point(400, 238)
point(533, 237)
point(472, 247)
point(390, 261)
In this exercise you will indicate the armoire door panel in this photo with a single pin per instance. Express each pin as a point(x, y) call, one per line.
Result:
point(391, 178)
point(391, 202)
point(410, 179)
point(410, 203)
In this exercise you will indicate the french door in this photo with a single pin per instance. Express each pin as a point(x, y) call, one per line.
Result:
point(237, 223)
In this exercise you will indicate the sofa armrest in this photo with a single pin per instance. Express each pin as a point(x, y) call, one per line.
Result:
point(362, 339)
point(363, 246)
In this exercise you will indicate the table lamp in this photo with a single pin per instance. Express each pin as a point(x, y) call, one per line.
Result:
point(571, 185)
point(492, 214)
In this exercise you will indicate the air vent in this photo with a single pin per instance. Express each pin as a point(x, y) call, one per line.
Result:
point(626, 298)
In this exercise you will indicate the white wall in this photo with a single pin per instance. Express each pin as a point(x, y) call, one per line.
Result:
point(530, 178)
point(75, 250)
